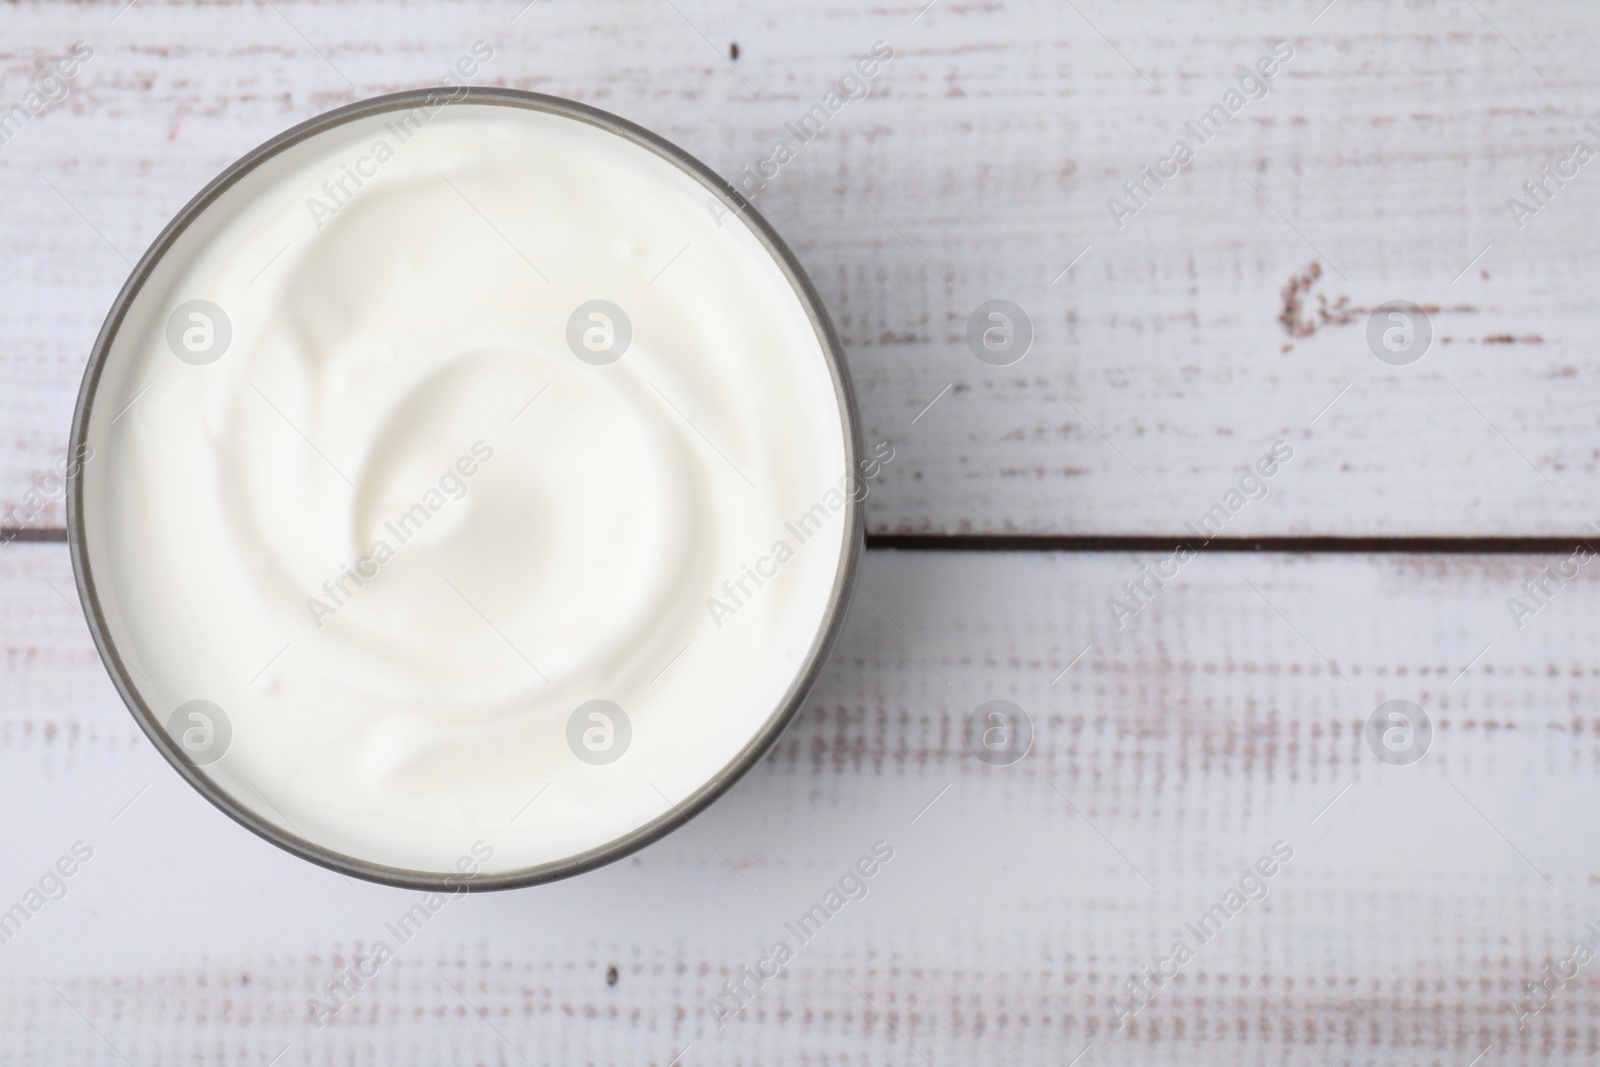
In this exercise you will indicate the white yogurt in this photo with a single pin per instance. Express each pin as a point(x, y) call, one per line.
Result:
point(399, 532)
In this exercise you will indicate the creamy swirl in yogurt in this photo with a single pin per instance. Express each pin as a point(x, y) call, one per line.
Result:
point(427, 454)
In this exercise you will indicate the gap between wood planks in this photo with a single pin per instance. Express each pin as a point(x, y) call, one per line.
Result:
point(1512, 546)
point(1478, 546)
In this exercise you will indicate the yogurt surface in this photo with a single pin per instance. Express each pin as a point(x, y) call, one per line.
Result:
point(461, 482)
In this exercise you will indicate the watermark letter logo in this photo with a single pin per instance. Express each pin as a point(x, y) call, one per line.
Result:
point(999, 733)
point(1399, 333)
point(198, 332)
point(999, 332)
point(1399, 732)
point(598, 732)
point(201, 730)
point(599, 332)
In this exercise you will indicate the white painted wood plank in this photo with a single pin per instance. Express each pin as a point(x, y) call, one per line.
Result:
point(978, 168)
point(1177, 750)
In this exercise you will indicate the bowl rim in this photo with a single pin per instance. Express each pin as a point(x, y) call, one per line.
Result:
point(677, 814)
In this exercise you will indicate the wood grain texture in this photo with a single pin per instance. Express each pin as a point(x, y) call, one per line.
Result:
point(979, 167)
point(1165, 762)
point(1225, 716)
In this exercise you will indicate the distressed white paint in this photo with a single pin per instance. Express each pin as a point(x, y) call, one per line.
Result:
point(1190, 741)
point(1182, 748)
point(979, 168)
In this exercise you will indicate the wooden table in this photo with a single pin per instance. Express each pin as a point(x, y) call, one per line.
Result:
point(1174, 745)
